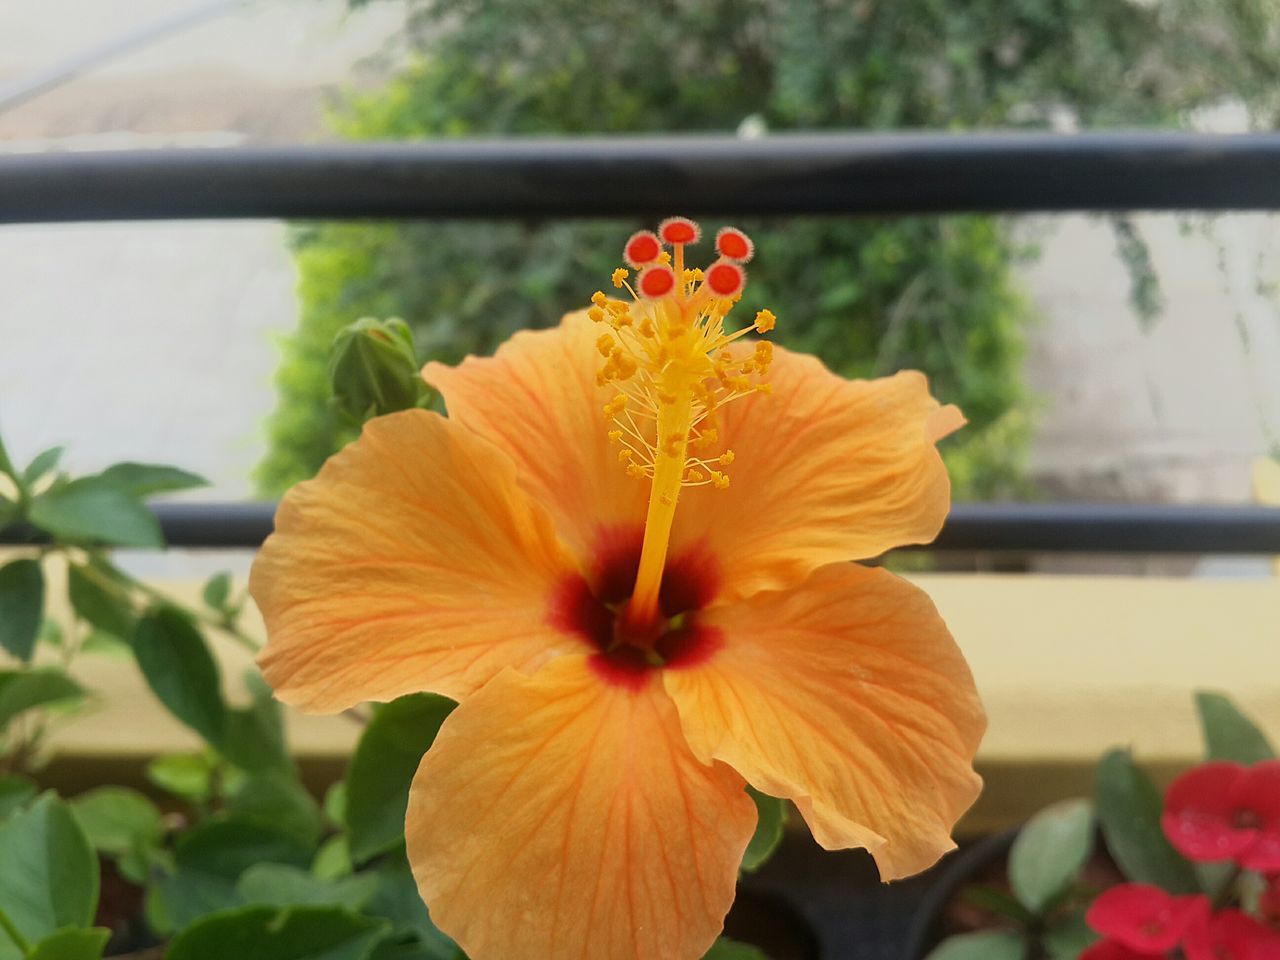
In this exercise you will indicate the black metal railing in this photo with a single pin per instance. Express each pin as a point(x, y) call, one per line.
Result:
point(830, 175)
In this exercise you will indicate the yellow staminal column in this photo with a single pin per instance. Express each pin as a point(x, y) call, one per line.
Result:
point(675, 418)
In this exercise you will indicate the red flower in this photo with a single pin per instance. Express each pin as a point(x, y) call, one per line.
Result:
point(1225, 811)
point(1113, 950)
point(1231, 935)
point(1143, 918)
point(1269, 903)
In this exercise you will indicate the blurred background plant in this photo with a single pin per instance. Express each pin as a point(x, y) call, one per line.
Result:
point(869, 296)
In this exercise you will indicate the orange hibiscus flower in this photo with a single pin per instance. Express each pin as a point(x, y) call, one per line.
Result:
point(633, 638)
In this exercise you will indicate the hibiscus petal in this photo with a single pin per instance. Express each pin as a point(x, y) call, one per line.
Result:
point(848, 695)
point(537, 399)
point(563, 817)
point(825, 469)
point(412, 562)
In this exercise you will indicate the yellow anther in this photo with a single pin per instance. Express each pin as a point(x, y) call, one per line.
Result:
point(595, 314)
point(726, 458)
point(605, 344)
point(665, 257)
point(599, 299)
point(707, 437)
point(615, 436)
point(764, 388)
point(646, 327)
point(619, 277)
point(624, 456)
point(694, 476)
point(719, 480)
point(635, 471)
point(765, 321)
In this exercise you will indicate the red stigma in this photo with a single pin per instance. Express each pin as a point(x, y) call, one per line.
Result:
point(726, 279)
point(678, 230)
point(643, 247)
point(733, 244)
point(657, 281)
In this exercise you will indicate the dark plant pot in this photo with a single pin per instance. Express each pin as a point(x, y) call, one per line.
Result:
point(768, 921)
point(963, 868)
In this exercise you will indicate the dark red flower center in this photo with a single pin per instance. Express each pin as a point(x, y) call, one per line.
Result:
point(594, 607)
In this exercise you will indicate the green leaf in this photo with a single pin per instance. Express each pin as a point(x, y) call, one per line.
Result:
point(384, 763)
point(144, 479)
point(6, 465)
point(118, 820)
point(72, 944)
point(42, 464)
point(333, 859)
point(281, 886)
point(8, 512)
point(217, 590)
point(335, 804)
point(15, 792)
point(177, 664)
point(184, 775)
point(726, 949)
point(1129, 806)
point(1050, 852)
point(93, 510)
point(50, 875)
point(997, 902)
point(983, 945)
point(1068, 938)
point(267, 933)
point(22, 690)
point(1229, 734)
point(397, 899)
point(771, 824)
point(254, 737)
point(21, 606)
point(277, 797)
point(209, 860)
point(96, 602)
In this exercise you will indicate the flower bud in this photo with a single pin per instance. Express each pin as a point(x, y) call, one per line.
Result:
point(373, 369)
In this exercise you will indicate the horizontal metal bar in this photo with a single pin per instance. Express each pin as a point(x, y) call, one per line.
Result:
point(900, 173)
point(1020, 527)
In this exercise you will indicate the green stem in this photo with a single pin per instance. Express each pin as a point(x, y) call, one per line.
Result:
point(1223, 896)
point(19, 941)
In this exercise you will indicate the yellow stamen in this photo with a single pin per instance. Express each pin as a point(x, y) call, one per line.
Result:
point(669, 360)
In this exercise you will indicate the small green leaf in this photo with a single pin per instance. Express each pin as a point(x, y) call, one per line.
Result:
point(254, 737)
point(1229, 734)
point(398, 900)
point(1129, 808)
point(96, 602)
point(118, 820)
point(15, 792)
point(268, 933)
point(333, 859)
point(183, 775)
point(282, 886)
point(21, 607)
point(997, 902)
point(22, 690)
point(93, 510)
point(209, 860)
point(983, 945)
point(177, 665)
point(277, 797)
point(50, 875)
point(726, 949)
point(1050, 852)
point(217, 590)
point(6, 465)
point(72, 944)
point(335, 804)
point(1067, 938)
point(8, 512)
point(771, 824)
point(42, 464)
point(384, 763)
point(144, 479)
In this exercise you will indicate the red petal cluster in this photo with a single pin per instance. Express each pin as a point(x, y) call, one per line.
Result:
point(1141, 921)
point(1226, 811)
point(1231, 935)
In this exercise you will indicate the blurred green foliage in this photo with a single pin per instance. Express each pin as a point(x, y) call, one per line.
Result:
point(867, 295)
